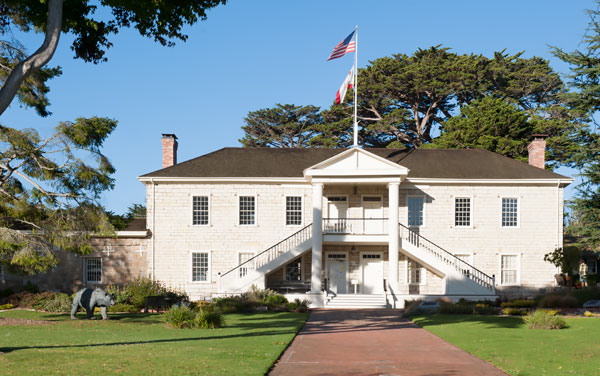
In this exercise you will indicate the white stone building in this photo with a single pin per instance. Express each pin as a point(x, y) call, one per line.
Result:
point(354, 227)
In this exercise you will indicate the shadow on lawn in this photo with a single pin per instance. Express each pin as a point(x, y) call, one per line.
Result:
point(137, 318)
point(510, 322)
point(170, 340)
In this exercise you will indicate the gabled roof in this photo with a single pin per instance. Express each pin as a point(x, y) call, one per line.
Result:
point(290, 163)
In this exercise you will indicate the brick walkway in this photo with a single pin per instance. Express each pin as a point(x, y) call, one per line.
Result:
point(373, 342)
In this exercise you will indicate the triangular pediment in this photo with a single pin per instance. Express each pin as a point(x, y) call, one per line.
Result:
point(356, 162)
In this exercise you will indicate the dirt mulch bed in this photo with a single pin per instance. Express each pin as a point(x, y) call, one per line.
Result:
point(10, 321)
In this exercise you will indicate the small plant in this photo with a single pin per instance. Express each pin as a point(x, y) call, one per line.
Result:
point(55, 303)
point(209, 319)
point(299, 305)
point(456, 309)
point(540, 319)
point(558, 301)
point(6, 306)
point(232, 304)
point(586, 313)
point(551, 312)
point(276, 302)
point(122, 307)
point(180, 317)
point(483, 309)
point(514, 311)
point(519, 303)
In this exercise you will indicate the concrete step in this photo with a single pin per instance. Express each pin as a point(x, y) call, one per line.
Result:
point(355, 301)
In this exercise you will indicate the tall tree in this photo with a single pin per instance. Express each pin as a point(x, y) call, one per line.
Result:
point(284, 126)
point(23, 75)
point(49, 191)
point(585, 100)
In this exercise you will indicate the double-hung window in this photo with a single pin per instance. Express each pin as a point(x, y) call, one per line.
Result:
point(293, 270)
point(416, 211)
point(245, 264)
point(247, 210)
point(293, 210)
point(510, 212)
point(200, 210)
point(92, 270)
point(509, 269)
point(200, 267)
point(462, 212)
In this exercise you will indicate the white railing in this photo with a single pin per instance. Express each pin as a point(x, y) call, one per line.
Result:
point(355, 226)
point(447, 258)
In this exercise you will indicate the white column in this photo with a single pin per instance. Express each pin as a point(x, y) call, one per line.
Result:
point(317, 238)
point(394, 237)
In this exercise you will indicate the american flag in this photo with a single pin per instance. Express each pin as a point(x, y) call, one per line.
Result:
point(346, 46)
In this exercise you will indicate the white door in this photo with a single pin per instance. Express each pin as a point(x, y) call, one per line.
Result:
point(337, 212)
point(372, 214)
point(372, 274)
point(336, 273)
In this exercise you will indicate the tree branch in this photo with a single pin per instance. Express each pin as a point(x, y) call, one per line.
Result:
point(38, 59)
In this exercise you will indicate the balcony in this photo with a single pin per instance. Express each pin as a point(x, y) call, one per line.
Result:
point(355, 226)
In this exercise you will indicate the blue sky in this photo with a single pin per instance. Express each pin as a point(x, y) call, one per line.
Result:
point(253, 54)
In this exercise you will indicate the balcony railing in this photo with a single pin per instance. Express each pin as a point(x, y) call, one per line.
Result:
point(355, 226)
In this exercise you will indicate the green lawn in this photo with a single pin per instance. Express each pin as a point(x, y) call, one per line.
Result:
point(508, 344)
point(141, 344)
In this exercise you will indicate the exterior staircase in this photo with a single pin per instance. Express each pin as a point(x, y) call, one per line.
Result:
point(356, 301)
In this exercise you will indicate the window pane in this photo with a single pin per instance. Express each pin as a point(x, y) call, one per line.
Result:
point(293, 271)
point(510, 212)
point(93, 269)
point(199, 267)
point(248, 266)
point(293, 210)
point(415, 211)
point(200, 210)
point(462, 211)
point(509, 269)
point(247, 210)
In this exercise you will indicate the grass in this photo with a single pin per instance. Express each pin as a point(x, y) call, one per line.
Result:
point(143, 344)
point(508, 344)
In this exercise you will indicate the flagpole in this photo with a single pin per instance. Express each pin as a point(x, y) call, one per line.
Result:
point(355, 85)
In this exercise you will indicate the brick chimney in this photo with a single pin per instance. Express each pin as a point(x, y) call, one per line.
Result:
point(169, 150)
point(537, 150)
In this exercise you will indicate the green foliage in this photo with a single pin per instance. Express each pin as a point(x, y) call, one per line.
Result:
point(276, 302)
point(514, 311)
point(6, 306)
point(139, 289)
point(234, 304)
point(285, 126)
point(209, 319)
point(540, 319)
point(31, 287)
point(566, 258)
point(585, 294)
point(55, 303)
point(66, 175)
point(456, 309)
point(123, 307)
point(519, 303)
point(180, 317)
point(298, 305)
point(466, 307)
point(484, 309)
point(558, 301)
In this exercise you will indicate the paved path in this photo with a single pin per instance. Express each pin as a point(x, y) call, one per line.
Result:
point(373, 342)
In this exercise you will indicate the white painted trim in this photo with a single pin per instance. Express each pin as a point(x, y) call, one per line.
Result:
point(237, 260)
point(362, 272)
point(191, 267)
point(424, 197)
point(192, 209)
point(381, 210)
point(334, 195)
point(347, 262)
point(277, 180)
point(471, 210)
point(132, 234)
point(301, 209)
point(499, 279)
point(84, 267)
point(255, 224)
point(566, 181)
point(317, 169)
point(518, 211)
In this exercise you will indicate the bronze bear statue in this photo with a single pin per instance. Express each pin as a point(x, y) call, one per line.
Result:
point(90, 299)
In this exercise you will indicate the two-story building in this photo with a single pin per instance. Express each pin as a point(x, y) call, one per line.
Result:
point(354, 227)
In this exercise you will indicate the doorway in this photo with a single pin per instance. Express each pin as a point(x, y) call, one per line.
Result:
point(337, 273)
point(371, 265)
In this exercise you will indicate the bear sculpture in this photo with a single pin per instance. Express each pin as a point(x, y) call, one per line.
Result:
point(90, 299)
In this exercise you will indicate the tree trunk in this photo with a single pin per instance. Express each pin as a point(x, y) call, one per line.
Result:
point(38, 59)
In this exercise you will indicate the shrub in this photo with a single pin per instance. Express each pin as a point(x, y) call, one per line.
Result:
point(119, 294)
point(55, 303)
point(122, 307)
point(299, 305)
point(483, 309)
point(232, 304)
point(209, 319)
point(6, 306)
point(585, 294)
point(139, 289)
point(514, 311)
point(519, 303)
point(276, 302)
point(540, 319)
point(31, 287)
point(551, 312)
point(558, 301)
point(456, 309)
point(180, 317)
point(254, 294)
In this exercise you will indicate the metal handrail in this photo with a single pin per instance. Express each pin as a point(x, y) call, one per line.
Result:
point(306, 233)
point(469, 270)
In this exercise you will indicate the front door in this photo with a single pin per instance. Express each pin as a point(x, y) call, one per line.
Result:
point(372, 214)
point(337, 212)
point(337, 269)
point(372, 273)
